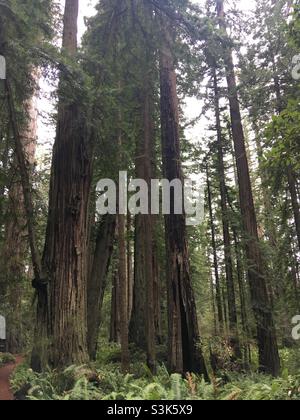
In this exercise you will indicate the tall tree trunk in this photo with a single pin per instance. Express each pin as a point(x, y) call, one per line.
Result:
point(266, 335)
point(115, 310)
point(137, 330)
point(15, 248)
point(24, 155)
point(130, 277)
point(294, 199)
point(215, 256)
point(26, 185)
point(185, 354)
point(123, 287)
point(148, 228)
point(213, 300)
point(225, 306)
point(241, 283)
point(61, 335)
point(144, 269)
point(295, 275)
point(233, 320)
point(157, 294)
point(97, 281)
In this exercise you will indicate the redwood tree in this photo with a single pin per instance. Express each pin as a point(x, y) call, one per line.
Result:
point(266, 335)
point(184, 351)
point(61, 332)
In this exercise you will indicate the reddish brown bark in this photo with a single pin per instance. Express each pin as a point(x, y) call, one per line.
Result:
point(266, 334)
point(61, 334)
point(114, 336)
point(97, 281)
point(185, 353)
point(143, 321)
point(123, 287)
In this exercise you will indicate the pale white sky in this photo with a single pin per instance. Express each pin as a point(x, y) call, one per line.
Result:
point(87, 8)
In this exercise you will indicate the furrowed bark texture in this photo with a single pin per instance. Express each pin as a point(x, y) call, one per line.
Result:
point(185, 353)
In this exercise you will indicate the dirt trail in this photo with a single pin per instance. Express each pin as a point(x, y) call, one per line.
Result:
point(5, 373)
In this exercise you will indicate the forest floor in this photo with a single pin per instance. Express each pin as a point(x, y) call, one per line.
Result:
point(5, 374)
point(103, 380)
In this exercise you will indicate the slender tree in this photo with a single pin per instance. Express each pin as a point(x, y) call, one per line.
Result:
point(97, 280)
point(215, 254)
point(266, 334)
point(233, 320)
point(123, 287)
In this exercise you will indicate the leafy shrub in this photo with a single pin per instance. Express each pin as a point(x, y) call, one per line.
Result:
point(262, 388)
point(6, 358)
point(290, 361)
point(71, 384)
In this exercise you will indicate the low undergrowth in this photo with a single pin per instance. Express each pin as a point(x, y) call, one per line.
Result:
point(105, 382)
point(6, 358)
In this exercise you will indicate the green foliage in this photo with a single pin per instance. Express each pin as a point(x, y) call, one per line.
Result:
point(6, 358)
point(114, 386)
point(261, 388)
point(71, 384)
point(107, 383)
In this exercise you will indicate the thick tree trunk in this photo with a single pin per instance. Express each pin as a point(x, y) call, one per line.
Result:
point(185, 353)
point(97, 281)
point(61, 336)
point(215, 255)
point(144, 269)
point(266, 334)
point(233, 320)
